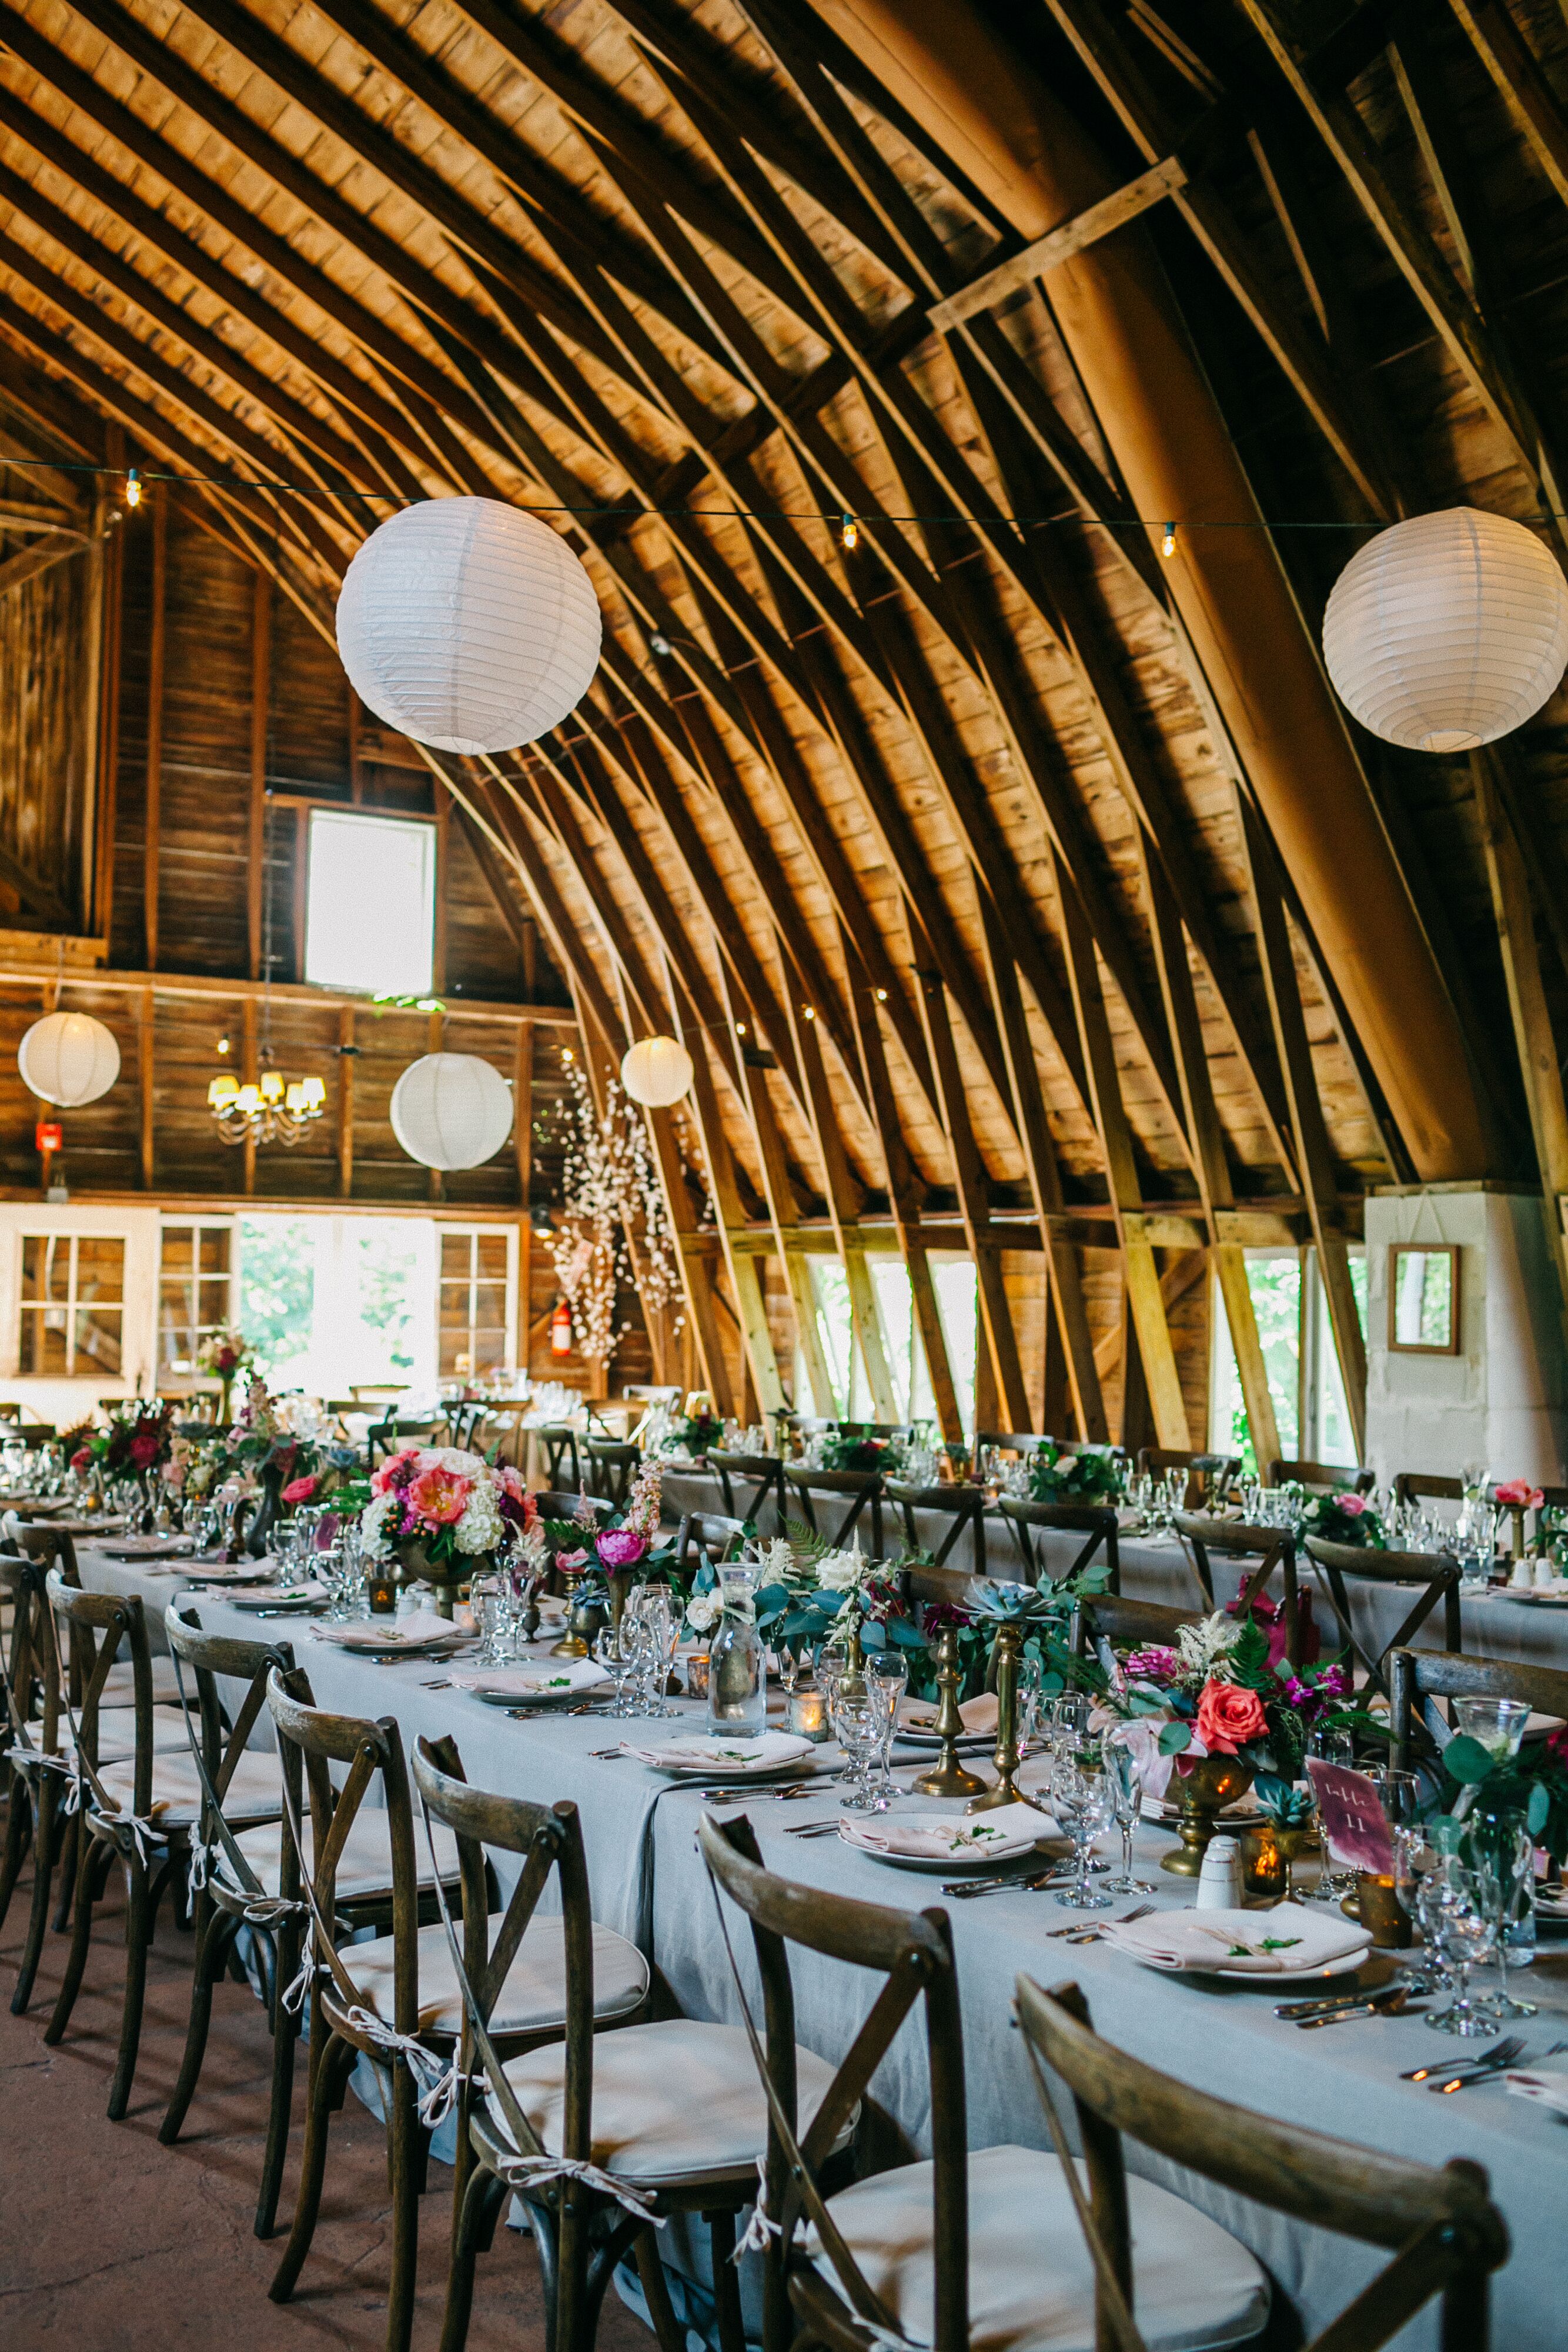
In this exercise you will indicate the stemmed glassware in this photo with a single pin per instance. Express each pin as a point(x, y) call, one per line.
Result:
point(886, 1681)
point(1121, 1772)
point(620, 1662)
point(1505, 1870)
point(1331, 1748)
point(1082, 1803)
point(859, 1719)
point(654, 1641)
point(1458, 1920)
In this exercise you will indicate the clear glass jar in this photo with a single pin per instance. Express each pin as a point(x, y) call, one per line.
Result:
point(737, 1683)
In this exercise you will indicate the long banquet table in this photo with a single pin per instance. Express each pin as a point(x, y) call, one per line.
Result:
point(648, 1882)
point(1161, 1568)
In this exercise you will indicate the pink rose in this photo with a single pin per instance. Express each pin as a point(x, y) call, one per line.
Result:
point(439, 1497)
point(621, 1547)
point(1229, 1716)
point(511, 1481)
point(1352, 1506)
point(300, 1490)
point(82, 1460)
point(144, 1448)
point(569, 1559)
point(1519, 1494)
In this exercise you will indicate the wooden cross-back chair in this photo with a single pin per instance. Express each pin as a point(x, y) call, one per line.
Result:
point(763, 1473)
point(1020, 1441)
point(1436, 1574)
point(711, 1531)
point(461, 1418)
point(1418, 1679)
point(1264, 1549)
point(37, 1767)
point(656, 2117)
point(1208, 1475)
point(390, 1436)
point(52, 1547)
point(1426, 1487)
point(1445, 2235)
point(1323, 1477)
point(560, 1443)
point(612, 1466)
point(1096, 1522)
point(963, 1506)
point(140, 1811)
point(860, 1491)
point(971, 2246)
point(1111, 1620)
point(395, 1999)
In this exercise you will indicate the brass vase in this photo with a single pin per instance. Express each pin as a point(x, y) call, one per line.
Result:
point(1203, 1791)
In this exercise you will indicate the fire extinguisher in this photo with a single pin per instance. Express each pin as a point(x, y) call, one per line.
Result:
point(561, 1330)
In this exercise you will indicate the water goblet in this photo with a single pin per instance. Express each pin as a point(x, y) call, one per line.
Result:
point(1332, 1886)
point(619, 1662)
point(886, 1681)
point(1082, 1802)
point(858, 1721)
point(1506, 1867)
point(1121, 1772)
point(1459, 1919)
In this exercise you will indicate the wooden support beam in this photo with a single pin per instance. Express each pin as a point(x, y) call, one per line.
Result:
point(843, 1197)
point(144, 1072)
point(442, 883)
point(1145, 1303)
point(1513, 65)
point(157, 627)
point(1060, 245)
point(523, 1115)
point(1534, 1039)
point(1065, 1287)
point(347, 1055)
point(969, 1176)
point(256, 880)
point(1306, 1114)
point(106, 768)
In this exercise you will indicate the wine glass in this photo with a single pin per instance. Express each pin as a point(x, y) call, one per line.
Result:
point(1331, 1748)
point(1460, 1922)
point(886, 1680)
point(858, 1720)
point(1121, 1772)
point(618, 1660)
point(1082, 1802)
point(1507, 1870)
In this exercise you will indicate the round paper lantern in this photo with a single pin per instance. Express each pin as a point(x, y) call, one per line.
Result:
point(1447, 631)
point(656, 1072)
point(468, 624)
point(69, 1058)
point(451, 1111)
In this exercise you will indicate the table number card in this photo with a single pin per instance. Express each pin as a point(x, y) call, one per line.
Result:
point(1356, 1829)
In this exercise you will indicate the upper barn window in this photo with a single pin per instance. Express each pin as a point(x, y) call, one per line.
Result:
point(370, 915)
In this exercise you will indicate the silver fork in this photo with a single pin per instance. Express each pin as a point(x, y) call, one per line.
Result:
point(1081, 1932)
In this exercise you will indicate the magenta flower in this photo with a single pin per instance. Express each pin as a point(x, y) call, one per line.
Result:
point(621, 1547)
point(1154, 1664)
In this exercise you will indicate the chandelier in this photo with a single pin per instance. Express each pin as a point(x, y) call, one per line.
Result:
point(272, 1110)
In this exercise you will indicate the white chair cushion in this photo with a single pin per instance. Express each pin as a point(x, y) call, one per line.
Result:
point(678, 2102)
point(254, 1794)
point(533, 1999)
point(117, 1734)
point(364, 1866)
point(1031, 2283)
point(119, 1688)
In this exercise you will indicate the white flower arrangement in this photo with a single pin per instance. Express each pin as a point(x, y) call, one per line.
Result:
point(1204, 1649)
point(843, 1571)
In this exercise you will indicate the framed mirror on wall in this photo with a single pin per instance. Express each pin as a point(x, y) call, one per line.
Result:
point(1424, 1298)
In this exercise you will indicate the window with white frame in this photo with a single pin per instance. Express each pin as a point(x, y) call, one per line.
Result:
point(196, 1292)
point(1290, 1308)
point(370, 907)
point(953, 1280)
point(72, 1308)
point(476, 1308)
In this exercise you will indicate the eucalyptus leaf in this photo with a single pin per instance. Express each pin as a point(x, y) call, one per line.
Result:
point(1467, 1761)
point(1174, 1738)
point(1537, 1810)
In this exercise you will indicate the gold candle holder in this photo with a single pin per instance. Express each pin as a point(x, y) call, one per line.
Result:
point(570, 1646)
point(947, 1776)
point(1005, 1650)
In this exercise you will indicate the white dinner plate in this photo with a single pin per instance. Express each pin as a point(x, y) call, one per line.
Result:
point(1346, 1966)
point(541, 1701)
point(1532, 1599)
point(988, 1854)
point(303, 1597)
point(711, 1757)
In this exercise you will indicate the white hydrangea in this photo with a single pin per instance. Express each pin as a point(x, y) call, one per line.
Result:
point(372, 1520)
point(843, 1571)
point(480, 1527)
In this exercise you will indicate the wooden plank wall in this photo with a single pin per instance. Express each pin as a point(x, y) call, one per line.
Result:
point(46, 629)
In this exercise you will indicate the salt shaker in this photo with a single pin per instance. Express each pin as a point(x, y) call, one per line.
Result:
point(1220, 1880)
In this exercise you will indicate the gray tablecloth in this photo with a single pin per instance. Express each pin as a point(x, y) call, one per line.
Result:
point(648, 1882)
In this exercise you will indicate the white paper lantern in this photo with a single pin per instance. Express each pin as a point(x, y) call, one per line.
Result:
point(451, 1111)
point(656, 1072)
point(468, 624)
point(1447, 631)
point(69, 1058)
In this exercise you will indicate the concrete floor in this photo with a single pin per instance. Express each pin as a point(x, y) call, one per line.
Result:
point(110, 2244)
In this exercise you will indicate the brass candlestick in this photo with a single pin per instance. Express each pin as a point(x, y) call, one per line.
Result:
point(1006, 1650)
point(947, 1776)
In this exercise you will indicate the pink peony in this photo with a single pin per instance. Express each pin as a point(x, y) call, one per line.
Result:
point(1519, 1494)
point(1352, 1506)
point(82, 1460)
point(440, 1496)
point(1229, 1716)
point(399, 1472)
point(621, 1547)
point(300, 1490)
point(144, 1448)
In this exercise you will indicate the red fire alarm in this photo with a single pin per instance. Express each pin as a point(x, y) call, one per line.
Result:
point(561, 1330)
point(48, 1136)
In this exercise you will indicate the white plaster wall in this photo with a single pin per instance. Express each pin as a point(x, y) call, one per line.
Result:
point(1501, 1402)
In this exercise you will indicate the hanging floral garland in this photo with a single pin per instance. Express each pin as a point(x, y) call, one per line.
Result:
point(609, 1195)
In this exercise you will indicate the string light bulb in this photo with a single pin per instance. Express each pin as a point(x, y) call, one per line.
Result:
point(133, 488)
point(809, 1012)
point(848, 534)
point(740, 1028)
point(566, 1055)
point(882, 996)
point(1167, 544)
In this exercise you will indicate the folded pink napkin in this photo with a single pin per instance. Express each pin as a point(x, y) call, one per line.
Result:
point(531, 1682)
point(1286, 1940)
point(951, 1837)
